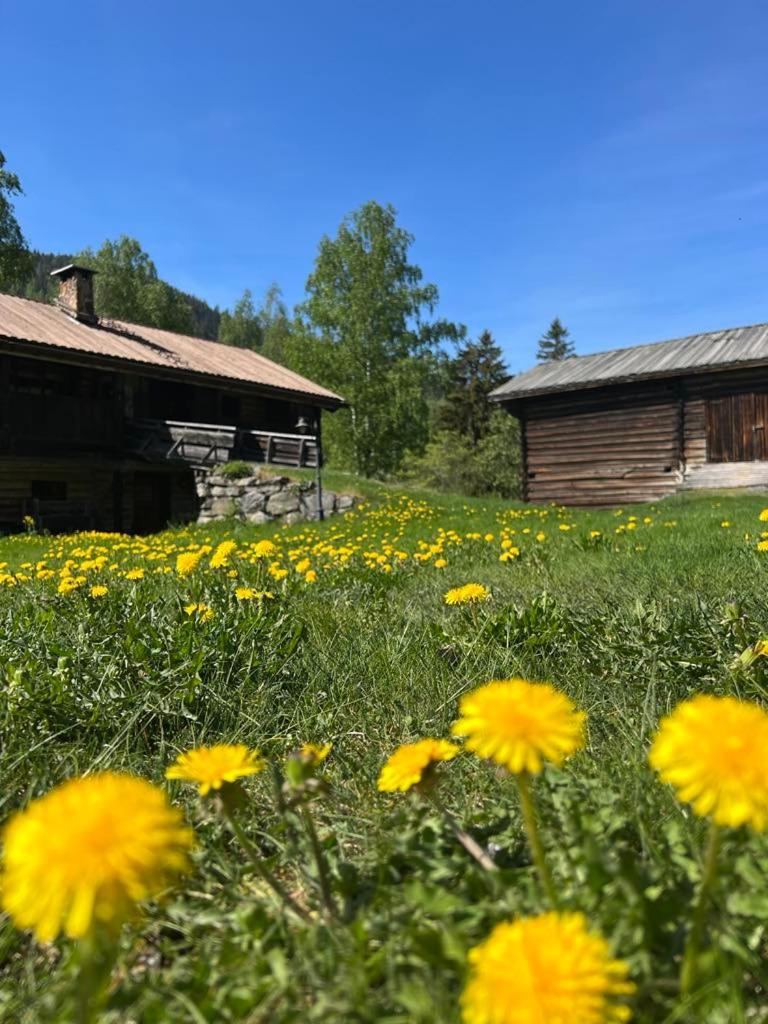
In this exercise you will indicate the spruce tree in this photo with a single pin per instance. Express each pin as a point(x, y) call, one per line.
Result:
point(477, 369)
point(555, 344)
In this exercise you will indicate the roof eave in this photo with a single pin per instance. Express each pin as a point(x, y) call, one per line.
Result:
point(78, 356)
point(517, 396)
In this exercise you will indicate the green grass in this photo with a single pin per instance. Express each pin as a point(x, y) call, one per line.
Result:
point(628, 624)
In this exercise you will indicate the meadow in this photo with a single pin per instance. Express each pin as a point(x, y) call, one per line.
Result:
point(121, 653)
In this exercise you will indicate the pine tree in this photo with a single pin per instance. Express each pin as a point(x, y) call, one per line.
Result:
point(555, 344)
point(477, 369)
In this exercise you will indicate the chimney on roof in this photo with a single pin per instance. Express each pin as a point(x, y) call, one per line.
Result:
point(76, 292)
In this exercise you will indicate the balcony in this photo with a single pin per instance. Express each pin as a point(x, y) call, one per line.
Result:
point(205, 444)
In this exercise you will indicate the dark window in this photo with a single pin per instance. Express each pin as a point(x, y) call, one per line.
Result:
point(30, 377)
point(230, 408)
point(49, 490)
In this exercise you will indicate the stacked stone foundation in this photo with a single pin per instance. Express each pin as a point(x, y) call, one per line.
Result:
point(260, 498)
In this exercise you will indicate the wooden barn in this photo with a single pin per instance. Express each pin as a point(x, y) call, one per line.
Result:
point(637, 424)
point(102, 424)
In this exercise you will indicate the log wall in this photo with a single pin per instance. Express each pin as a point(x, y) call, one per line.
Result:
point(71, 494)
point(626, 443)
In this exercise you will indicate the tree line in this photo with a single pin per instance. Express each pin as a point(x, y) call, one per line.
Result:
point(416, 385)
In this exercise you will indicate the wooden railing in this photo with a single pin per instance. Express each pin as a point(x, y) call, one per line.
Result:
point(207, 444)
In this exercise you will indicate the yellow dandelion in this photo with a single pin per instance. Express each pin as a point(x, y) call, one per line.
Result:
point(545, 970)
point(135, 574)
point(264, 549)
point(520, 724)
point(315, 753)
point(87, 852)
point(413, 763)
point(762, 545)
point(764, 516)
point(713, 751)
point(188, 561)
point(221, 555)
point(470, 593)
point(244, 593)
point(203, 612)
point(99, 591)
point(310, 577)
point(211, 767)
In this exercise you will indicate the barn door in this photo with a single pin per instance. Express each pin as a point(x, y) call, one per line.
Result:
point(737, 427)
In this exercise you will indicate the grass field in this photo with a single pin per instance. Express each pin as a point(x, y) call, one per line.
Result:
point(628, 611)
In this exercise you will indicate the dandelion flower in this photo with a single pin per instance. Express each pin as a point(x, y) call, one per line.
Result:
point(764, 516)
point(99, 591)
point(470, 593)
point(201, 611)
point(264, 549)
point(713, 751)
point(545, 970)
point(211, 767)
point(316, 753)
point(411, 763)
point(188, 561)
point(221, 555)
point(135, 574)
point(520, 724)
point(87, 852)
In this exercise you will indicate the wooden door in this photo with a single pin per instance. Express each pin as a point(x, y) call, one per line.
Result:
point(737, 427)
point(152, 501)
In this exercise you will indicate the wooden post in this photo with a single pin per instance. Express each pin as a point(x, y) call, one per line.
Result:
point(319, 466)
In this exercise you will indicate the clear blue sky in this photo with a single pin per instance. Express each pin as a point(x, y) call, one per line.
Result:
point(606, 162)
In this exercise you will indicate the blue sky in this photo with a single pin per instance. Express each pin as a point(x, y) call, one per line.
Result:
point(606, 162)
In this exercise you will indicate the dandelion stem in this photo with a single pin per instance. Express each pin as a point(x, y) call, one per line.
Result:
point(261, 868)
point(322, 867)
point(534, 839)
point(473, 848)
point(708, 876)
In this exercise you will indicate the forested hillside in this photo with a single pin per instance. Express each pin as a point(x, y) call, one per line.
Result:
point(203, 320)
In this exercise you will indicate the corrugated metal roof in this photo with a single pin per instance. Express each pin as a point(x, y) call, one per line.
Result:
point(24, 320)
point(697, 352)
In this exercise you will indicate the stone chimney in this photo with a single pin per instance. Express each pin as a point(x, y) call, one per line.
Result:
point(76, 292)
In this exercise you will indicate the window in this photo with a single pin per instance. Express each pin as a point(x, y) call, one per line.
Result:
point(33, 377)
point(230, 408)
point(49, 490)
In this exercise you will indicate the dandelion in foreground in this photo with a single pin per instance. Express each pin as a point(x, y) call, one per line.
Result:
point(212, 767)
point(413, 764)
point(99, 590)
point(188, 561)
point(221, 555)
point(545, 970)
point(249, 594)
point(519, 724)
point(470, 593)
point(315, 753)
point(713, 751)
point(87, 852)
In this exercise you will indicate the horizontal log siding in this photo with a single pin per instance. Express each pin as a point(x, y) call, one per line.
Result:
point(91, 493)
point(604, 449)
point(628, 442)
point(694, 433)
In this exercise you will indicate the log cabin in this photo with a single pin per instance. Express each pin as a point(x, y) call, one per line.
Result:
point(638, 424)
point(103, 424)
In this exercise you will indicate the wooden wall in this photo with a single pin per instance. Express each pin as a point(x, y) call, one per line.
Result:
point(603, 448)
point(96, 496)
point(626, 443)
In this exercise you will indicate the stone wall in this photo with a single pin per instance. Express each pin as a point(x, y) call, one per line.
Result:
point(263, 499)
